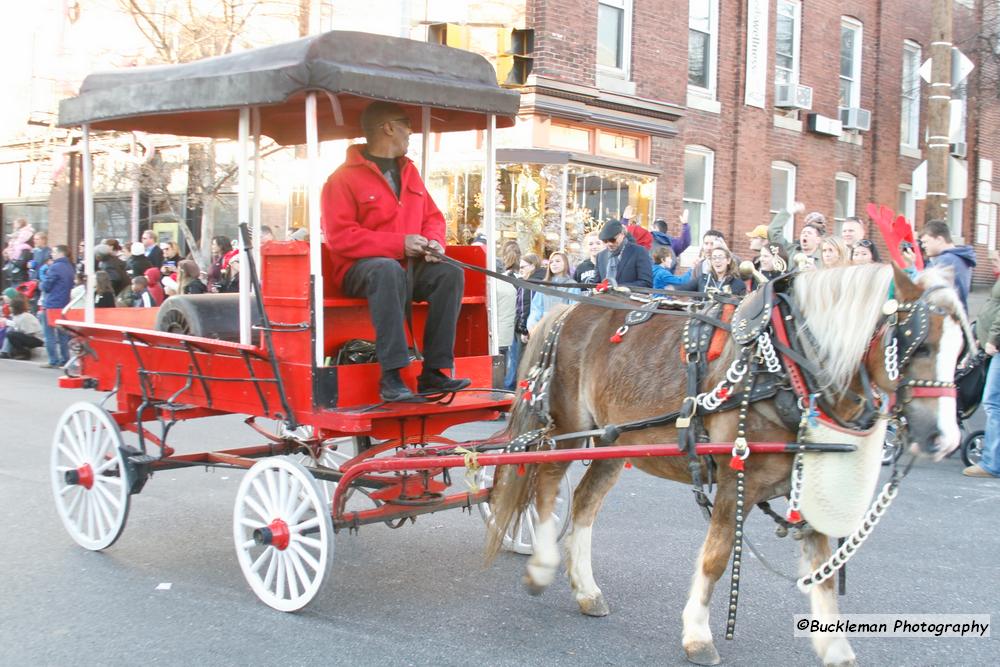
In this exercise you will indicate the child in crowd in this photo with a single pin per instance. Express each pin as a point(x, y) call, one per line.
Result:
point(23, 331)
point(141, 298)
point(663, 269)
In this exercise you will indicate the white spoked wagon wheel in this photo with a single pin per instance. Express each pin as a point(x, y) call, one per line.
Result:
point(522, 540)
point(90, 480)
point(283, 533)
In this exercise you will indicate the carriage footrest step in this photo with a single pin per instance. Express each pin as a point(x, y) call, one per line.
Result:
point(142, 459)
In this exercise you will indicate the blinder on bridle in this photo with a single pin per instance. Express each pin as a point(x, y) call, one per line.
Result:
point(901, 341)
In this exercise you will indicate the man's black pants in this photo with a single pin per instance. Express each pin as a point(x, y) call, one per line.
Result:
point(383, 282)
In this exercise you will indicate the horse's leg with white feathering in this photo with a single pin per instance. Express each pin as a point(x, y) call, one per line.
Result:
point(831, 647)
point(587, 500)
point(710, 565)
point(544, 562)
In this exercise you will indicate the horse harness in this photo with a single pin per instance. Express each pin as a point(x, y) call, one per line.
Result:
point(772, 362)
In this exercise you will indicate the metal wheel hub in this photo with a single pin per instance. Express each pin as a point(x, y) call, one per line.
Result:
point(275, 534)
point(82, 476)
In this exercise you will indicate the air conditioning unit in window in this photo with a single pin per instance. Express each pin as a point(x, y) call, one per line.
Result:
point(958, 149)
point(853, 118)
point(793, 96)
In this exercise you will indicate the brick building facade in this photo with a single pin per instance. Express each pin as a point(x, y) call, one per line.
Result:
point(750, 156)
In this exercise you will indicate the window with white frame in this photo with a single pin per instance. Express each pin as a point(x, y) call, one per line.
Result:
point(906, 205)
point(783, 191)
point(788, 28)
point(850, 62)
point(909, 121)
point(698, 166)
point(845, 193)
point(703, 36)
point(614, 37)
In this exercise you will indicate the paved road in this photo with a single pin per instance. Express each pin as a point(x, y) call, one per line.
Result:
point(421, 596)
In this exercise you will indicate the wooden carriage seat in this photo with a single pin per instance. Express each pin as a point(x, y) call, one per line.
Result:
point(285, 284)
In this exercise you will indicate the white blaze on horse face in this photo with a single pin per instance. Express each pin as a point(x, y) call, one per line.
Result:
point(949, 347)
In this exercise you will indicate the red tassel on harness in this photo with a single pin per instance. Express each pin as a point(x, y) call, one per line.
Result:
point(526, 395)
point(602, 286)
point(616, 338)
point(628, 465)
point(523, 384)
point(520, 470)
point(723, 393)
point(736, 463)
point(794, 516)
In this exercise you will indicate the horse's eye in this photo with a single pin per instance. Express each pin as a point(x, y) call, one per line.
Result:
point(922, 351)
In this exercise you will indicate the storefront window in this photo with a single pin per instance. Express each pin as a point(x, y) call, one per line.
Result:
point(532, 203)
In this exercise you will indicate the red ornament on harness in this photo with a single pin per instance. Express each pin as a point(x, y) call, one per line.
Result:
point(621, 331)
point(602, 286)
point(794, 516)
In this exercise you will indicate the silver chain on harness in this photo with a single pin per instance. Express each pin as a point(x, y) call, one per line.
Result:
point(734, 374)
point(892, 360)
point(768, 354)
point(854, 542)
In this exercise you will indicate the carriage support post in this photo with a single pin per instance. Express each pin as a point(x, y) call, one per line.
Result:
point(88, 227)
point(489, 218)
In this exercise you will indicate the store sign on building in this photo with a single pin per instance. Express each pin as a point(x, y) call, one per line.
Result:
point(756, 81)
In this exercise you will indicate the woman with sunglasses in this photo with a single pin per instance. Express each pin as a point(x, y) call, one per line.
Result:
point(864, 252)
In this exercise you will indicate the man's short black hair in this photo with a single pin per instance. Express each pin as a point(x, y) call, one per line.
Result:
point(714, 232)
point(377, 113)
point(938, 229)
point(660, 225)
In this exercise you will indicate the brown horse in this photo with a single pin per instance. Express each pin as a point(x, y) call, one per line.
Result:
point(596, 383)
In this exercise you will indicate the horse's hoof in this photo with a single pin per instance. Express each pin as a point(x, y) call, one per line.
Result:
point(702, 653)
point(595, 606)
point(845, 663)
point(531, 586)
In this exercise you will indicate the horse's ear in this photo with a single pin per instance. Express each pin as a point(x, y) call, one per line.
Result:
point(906, 289)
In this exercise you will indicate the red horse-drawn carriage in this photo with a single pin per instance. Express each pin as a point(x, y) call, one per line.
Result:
point(269, 353)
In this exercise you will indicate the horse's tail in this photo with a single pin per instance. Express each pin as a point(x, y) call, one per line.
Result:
point(514, 486)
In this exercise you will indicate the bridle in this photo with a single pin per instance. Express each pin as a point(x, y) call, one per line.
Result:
point(901, 338)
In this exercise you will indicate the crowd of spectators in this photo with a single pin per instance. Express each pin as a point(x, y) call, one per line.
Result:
point(141, 274)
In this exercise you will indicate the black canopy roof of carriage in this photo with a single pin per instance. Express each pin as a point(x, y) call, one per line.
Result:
point(203, 98)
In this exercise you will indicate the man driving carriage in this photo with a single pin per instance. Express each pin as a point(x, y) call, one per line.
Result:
point(379, 224)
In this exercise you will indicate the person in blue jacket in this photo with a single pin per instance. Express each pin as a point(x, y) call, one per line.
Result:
point(622, 262)
point(664, 262)
point(57, 283)
point(936, 239)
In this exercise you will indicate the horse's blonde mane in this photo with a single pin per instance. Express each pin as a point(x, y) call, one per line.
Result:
point(841, 307)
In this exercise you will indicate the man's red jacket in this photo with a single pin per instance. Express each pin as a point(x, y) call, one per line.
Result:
point(362, 217)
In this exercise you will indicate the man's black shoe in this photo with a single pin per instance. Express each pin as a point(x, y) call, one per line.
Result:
point(392, 389)
point(434, 381)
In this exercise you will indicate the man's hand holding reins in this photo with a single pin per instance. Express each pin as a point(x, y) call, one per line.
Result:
point(433, 257)
point(415, 245)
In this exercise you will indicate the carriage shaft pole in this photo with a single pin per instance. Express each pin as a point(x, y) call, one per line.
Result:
point(582, 454)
